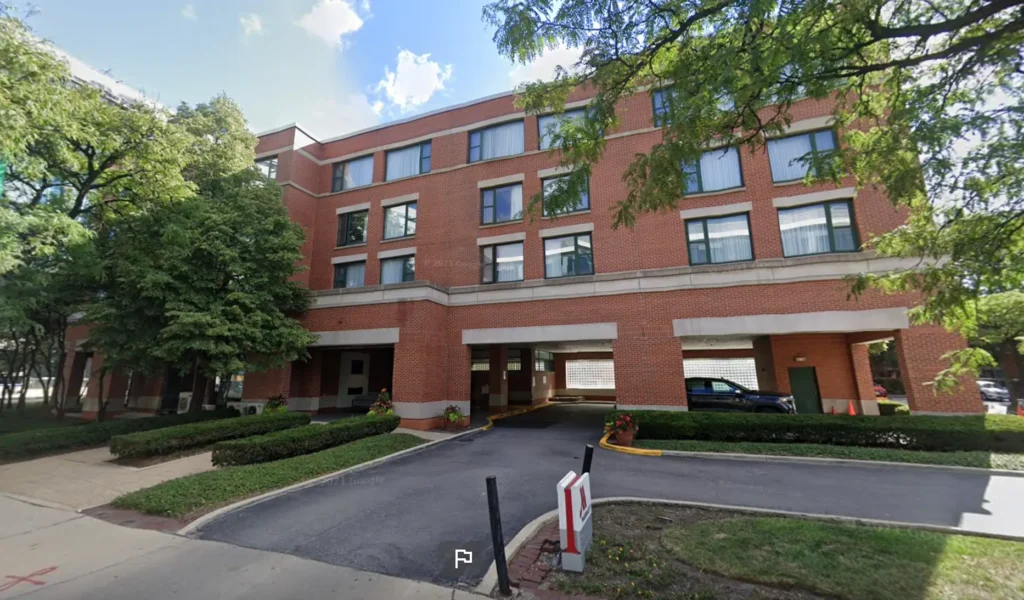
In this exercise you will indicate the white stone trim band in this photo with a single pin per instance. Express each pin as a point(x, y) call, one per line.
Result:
point(414, 197)
point(808, 125)
point(357, 337)
point(337, 260)
point(715, 211)
point(846, 193)
point(397, 252)
point(353, 208)
point(674, 407)
point(833, 321)
point(549, 333)
point(566, 230)
point(501, 239)
point(487, 183)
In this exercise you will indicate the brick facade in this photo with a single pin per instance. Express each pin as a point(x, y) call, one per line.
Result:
point(643, 281)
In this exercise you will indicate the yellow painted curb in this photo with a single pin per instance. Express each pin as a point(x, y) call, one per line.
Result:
point(512, 413)
point(625, 450)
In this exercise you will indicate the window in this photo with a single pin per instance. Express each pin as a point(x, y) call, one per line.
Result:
point(568, 256)
point(721, 387)
point(268, 167)
point(501, 263)
point(552, 185)
point(788, 156)
point(349, 275)
point(481, 360)
point(352, 228)
point(514, 361)
point(543, 361)
point(716, 170)
point(662, 101)
point(400, 221)
point(742, 371)
point(818, 228)
point(590, 374)
point(547, 125)
point(501, 204)
point(497, 141)
point(719, 239)
point(352, 173)
point(398, 270)
point(407, 162)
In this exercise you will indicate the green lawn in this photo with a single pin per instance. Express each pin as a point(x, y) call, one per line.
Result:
point(36, 416)
point(853, 562)
point(195, 494)
point(663, 552)
point(985, 460)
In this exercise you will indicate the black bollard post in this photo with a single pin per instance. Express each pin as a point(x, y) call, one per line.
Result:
point(496, 536)
point(588, 457)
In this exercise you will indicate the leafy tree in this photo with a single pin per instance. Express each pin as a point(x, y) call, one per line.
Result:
point(1000, 325)
point(927, 97)
point(204, 284)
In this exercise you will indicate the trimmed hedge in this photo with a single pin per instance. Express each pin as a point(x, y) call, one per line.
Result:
point(888, 408)
point(300, 440)
point(197, 435)
point(992, 433)
point(29, 444)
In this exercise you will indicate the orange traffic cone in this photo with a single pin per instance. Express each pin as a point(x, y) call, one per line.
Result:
point(1020, 410)
point(833, 410)
point(850, 410)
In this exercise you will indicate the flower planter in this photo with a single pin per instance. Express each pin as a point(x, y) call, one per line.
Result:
point(463, 423)
point(624, 438)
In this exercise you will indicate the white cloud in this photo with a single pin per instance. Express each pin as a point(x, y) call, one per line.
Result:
point(414, 80)
point(544, 67)
point(189, 12)
point(340, 114)
point(329, 20)
point(252, 24)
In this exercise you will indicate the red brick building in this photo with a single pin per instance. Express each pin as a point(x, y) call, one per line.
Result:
point(429, 277)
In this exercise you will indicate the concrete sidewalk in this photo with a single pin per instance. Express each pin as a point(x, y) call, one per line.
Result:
point(54, 554)
point(88, 478)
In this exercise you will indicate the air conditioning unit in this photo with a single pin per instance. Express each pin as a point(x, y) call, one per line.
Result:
point(247, 408)
point(184, 399)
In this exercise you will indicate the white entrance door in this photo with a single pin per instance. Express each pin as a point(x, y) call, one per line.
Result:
point(355, 377)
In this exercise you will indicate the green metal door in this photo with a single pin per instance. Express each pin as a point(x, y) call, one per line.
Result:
point(803, 381)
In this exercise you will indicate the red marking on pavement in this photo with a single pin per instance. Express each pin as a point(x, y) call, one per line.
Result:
point(26, 579)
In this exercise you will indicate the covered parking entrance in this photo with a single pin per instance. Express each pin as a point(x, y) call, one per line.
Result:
point(522, 366)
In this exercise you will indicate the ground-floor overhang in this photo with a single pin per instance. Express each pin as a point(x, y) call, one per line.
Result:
point(834, 321)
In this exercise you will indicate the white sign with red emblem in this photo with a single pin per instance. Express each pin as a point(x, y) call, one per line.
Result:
point(574, 523)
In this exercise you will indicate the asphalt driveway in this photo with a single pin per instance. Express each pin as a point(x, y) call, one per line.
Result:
point(406, 517)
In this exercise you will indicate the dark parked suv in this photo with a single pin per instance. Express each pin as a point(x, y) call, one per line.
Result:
point(706, 393)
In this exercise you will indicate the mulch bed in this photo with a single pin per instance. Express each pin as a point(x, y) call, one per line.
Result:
point(134, 519)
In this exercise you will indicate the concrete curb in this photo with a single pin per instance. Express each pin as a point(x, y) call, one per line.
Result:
point(490, 579)
point(832, 461)
point(203, 520)
point(628, 449)
point(512, 413)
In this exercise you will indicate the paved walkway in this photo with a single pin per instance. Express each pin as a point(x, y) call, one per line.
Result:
point(88, 478)
point(426, 505)
point(57, 555)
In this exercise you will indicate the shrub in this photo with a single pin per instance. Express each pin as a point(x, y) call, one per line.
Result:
point(28, 444)
point(992, 433)
point(382, 406)
point(197, 435)
point(275, 405)
point(300, 440)
point(888, 408)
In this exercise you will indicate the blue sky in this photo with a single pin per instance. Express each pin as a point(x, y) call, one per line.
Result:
point(334, 66)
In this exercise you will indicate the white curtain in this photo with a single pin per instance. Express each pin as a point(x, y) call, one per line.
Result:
point(804, 230)
point(695, 234)
point(785, 156)
point(508, 203)
point(391, 270)
point(729, 238)
point(359, 172)
point(720, 169)
point(502, 140)
point(355, 274)
point(403, 163)
point(558, 254)
point(549, 124)
point(510, 262)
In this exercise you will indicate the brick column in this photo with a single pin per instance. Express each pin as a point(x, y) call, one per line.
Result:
point(419, 379)
point(497, 398)
point(460, 359)
point(920, 351)
point(649, 373)
point(861, 364)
